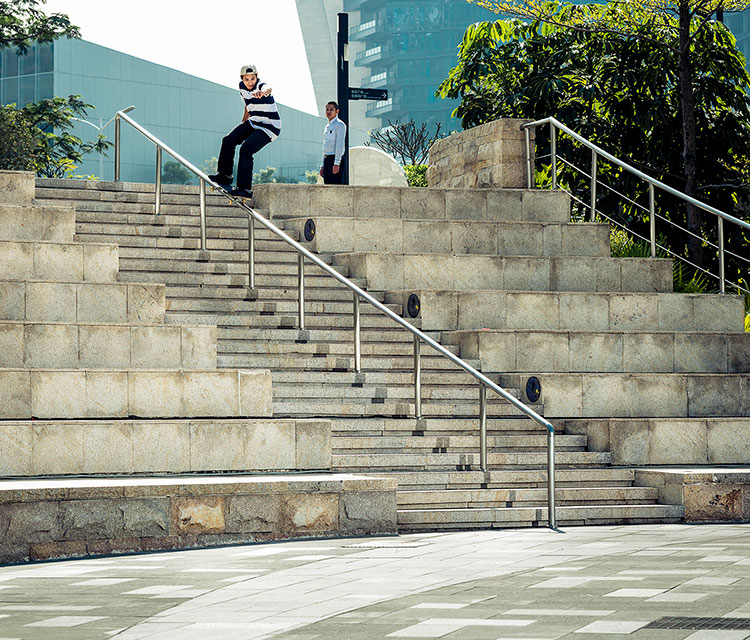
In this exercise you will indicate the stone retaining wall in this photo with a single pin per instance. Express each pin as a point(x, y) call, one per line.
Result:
point(45, 519)
point(491, 155)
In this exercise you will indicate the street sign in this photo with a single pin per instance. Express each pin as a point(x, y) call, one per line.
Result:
point(360, 93)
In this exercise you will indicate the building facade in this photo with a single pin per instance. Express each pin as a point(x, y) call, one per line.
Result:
point(189, 114)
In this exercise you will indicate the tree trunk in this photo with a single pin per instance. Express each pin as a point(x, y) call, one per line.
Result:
point(689, 142)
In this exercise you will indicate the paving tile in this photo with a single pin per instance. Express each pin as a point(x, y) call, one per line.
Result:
point(65, 621)
point(612, 626)
point(634, 593)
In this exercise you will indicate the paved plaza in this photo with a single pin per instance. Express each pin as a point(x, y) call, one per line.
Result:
point(646, 581)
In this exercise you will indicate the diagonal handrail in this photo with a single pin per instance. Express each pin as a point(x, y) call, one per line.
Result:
point(597, 151)
point(419, 337)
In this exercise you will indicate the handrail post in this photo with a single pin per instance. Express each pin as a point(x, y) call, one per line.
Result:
point(157, 183)
point(301, 289)
point(551, 515)
point(527, 136)
point(722, 283)
point(482, 427)
point(553, 152)
point(593, 186)
point(117, 147)
point(417, 378)
point(357, 331)
point(202, 190)
point(652, 218)
point(251, 251)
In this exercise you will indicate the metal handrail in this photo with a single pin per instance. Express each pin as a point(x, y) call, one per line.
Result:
point(358, 293)
point(596, 151)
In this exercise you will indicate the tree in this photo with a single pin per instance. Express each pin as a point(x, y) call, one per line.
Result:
point(672, 24)
point(57, 150)
point(623, 94)
point(22, 23)
point(174, 173)
point(406, 141)
point(17, 142)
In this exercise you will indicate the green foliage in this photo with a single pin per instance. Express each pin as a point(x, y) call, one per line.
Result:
point(17, 142)
point(174, 173)
point(210, 166)
point(311, 177)
point(265, 176)
point(58, 151)
point(622, 93)
point(416, 175)
point(22, 23)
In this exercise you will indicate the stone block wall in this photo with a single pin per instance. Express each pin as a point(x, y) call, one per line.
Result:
point(491, 155)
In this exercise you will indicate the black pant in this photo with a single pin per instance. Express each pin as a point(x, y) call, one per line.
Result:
point(252, 141)
point(329, 177)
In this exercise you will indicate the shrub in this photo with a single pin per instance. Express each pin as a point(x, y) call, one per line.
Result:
point(17, 143)
point(416, 175)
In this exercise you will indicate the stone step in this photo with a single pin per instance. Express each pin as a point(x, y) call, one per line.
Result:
point(328, 362)
point(297, 200)
point(600, 351)
point(271, 294)
point(40, 301)
point(177, 240)
point(190, 264)
point(387, 272)
point(347, 445)
point(57, 261)
point(663, 441)
point(289, 333)
point(286, 307)
point(511, 479)
point(429, 377)
point(280, 255)
point(648, 395)
point(89, 447)
point(347, 235)
point(373, 462)
point(36, 222)
point(70, 345)
point(331, 327)
point(319, 350)
point(120, 393)
point(504, 498)
point(370, 392)
point(336, 409)
point(416, 520)
point(75, 517)
point(572, 311)
point(433, 427)
point(16, 187)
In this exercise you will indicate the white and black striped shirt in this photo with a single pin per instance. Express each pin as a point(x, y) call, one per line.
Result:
point(262, 112)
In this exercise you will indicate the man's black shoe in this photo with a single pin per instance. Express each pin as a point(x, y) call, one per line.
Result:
point(241, 193)
point(225, 182)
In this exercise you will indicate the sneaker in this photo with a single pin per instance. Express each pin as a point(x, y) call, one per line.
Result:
point(241, 193)
point(225, 182)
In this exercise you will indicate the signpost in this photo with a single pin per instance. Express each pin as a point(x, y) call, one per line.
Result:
point(344, 92)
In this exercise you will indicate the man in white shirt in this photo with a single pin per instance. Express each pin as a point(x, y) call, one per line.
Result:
point(334, 146)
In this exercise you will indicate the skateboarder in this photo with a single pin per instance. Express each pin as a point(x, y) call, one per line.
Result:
point(334, 146)
point(260, 125)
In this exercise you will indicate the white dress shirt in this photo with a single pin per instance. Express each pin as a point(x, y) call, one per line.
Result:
point(334, 140)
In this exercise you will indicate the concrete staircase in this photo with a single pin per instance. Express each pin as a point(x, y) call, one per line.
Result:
point(99, 397)
point(434, 460)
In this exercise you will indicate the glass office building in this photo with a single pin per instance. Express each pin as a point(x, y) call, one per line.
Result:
point(410, 47)
point(189, 114)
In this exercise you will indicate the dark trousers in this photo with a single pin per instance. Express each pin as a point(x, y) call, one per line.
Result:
point(329, 177)
point(252, 141)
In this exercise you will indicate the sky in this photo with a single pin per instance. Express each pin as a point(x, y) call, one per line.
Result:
point(212, 41)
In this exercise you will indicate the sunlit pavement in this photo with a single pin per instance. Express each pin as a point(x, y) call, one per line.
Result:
point(645, 581)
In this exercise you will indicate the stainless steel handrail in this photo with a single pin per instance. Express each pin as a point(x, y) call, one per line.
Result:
point(596, 151)
point(484, 381)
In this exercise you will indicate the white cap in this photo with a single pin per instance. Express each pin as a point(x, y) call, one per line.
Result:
point(248, 68)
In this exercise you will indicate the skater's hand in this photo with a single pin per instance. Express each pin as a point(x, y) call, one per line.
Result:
point(258, 94)
point(321, 171)
point(335, 169)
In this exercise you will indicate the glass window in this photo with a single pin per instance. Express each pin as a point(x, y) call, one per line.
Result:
point(44, 86)
point(10, 91)
point(10, 63)
point(45, 58)
point(28, 65)
point(26, 89)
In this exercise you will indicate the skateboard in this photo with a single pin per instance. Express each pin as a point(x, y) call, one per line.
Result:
point(215, 186)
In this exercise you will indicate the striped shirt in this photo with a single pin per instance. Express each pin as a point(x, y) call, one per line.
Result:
point(262, 112)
